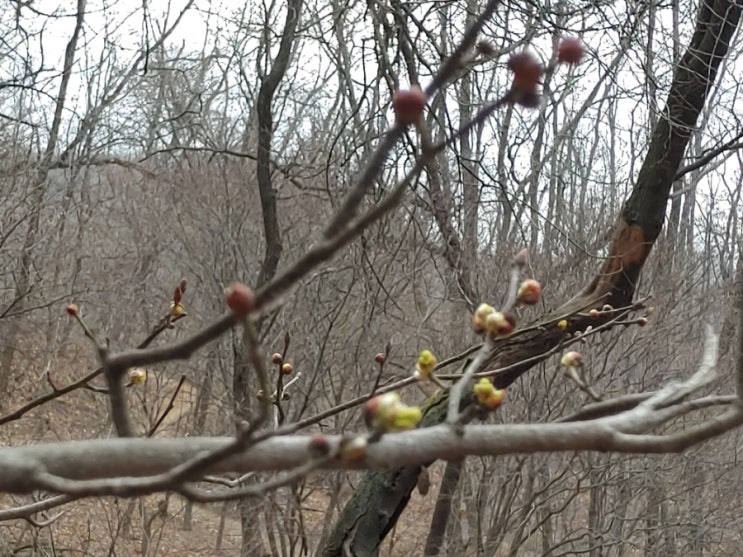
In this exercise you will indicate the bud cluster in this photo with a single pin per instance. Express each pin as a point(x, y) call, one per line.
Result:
point(495, 323)
point(486, 320)
point(388, 414)
point(528, 70)
point(487, 395)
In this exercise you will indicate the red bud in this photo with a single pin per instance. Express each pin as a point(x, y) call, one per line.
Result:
point(527, 71)
point(570, 51)
point(240, 299)
point(409, 105)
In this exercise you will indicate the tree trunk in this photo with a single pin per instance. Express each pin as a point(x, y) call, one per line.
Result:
point(443, 508)
point(696, 481)
point(273, 246)
point(595, 510)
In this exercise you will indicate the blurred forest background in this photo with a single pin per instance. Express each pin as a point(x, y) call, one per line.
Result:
point(136, 140)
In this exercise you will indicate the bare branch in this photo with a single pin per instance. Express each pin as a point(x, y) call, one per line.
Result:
point(26, 511)
point(139, 466)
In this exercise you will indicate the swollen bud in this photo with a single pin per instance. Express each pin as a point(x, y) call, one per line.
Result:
point(240, 299)
point(137, 376)
point(529, 292)
point(425, 365)
point(387, 413)
point(527, 71)
point(319, 446)
point(72, 310)
point(353, 448)
point(500, 324)
point(176, 309)
point(572, 359)
point(521, 258)
point(485, 48)
point(409, 105)
point(277, 359)
point(570, 51)
point(287, 369)
point(481, 315)
point(487, 395)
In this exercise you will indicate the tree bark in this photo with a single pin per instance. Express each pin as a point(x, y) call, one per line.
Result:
point(597, 495)
point(382, 496)
point(242, 390)
point(443, 508)
point(273, 247)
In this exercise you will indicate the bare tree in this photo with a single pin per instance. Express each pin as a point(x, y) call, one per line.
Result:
point(268, 157)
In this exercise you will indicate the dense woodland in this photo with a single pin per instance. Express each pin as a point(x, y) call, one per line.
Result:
point(143, 143)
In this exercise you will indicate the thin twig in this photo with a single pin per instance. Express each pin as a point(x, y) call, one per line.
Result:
point(44, 523)
point(25, 511)
point(168, 409)
point(80, 383)
point(203, 496)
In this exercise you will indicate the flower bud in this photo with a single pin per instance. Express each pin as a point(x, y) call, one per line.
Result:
point(319, 446)
point(176, 309)
point(240, 299)
point(527, 71)
point(572, 359)
point(137, 376)
point(425, 365)
point(521, 258)
point(409, 105)
point(387, 413)
point(480, 316)
point(487, 395)
point(529, 292)
point(499, 324)
point(353, 448)
point(570, 51)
